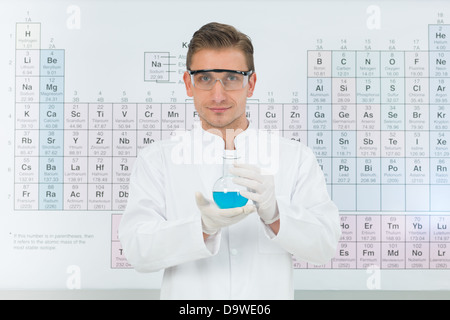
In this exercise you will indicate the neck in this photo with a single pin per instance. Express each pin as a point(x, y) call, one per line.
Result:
point(227, 133)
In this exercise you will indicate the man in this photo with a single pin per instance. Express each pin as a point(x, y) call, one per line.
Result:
point(171, 223)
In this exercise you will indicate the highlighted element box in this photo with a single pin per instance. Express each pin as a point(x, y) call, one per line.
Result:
point(157, 66)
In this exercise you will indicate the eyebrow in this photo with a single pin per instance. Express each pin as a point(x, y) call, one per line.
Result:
point(245, 73)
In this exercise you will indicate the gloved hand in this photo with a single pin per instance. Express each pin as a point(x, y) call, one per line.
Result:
point(261, 189)
point(214, 218)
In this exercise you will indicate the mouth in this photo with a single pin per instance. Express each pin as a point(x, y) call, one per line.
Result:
point(219, 109)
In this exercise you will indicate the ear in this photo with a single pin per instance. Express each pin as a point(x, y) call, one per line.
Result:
point(188, 84)
point(251, 85)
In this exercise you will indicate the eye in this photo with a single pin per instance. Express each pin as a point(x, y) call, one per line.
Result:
point(233, 77)
point(203, 77)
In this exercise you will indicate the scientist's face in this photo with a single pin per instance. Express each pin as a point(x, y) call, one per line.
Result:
point(219, 108)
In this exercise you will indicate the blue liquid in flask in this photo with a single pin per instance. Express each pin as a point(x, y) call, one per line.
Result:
point(227, 200)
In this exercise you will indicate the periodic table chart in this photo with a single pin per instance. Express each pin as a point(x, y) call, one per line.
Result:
point(366, 85)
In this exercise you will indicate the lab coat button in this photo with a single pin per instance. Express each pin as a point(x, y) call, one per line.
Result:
point(234, 252)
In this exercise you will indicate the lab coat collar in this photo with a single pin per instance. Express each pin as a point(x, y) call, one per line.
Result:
point(213, 145)
point(238, 140)
point(252, 146)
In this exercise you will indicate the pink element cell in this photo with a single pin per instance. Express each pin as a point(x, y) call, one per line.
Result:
point(27, 170)
point(271, 117)
point(124, 143)
point(118, 260)
point(368, 228)
point(368, 144)
point(345, 257)
point(145, 138)
point(27, 116)
point(27, 63)
point(76, 116)
point(27, 143)
point(100, 197)
point(440, 228)
point(393, 255)
point(75, 197)
point(348, 228)
point(440, 255)
point(115, 223)
point(172, 116)
point(100, 169)
point(368, 255)
point(393, 228)
point(27, 89)
point(120, 196)
point(100, 143)
point(417, 255)
point(76, 143)
point(300, 136)
point(122, 169)
point(75, 170)
point(417, 229)
point(319, 64)
point(344, 117)
point(319, 266)
point(149, 116)
point(392, 144)
point(100, 116)
point(27, 196)
point(295, 117)
point(124, 116)
point(368, 117)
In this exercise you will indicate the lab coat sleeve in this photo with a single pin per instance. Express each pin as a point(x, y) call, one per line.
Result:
point(149, 239)
point(309, 220)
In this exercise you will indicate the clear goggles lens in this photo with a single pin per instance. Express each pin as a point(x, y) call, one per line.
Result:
point(230, 79)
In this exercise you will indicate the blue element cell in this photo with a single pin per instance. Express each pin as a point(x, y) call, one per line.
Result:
point(52, 63)
point(51, 89)
point(51, 116)
point(51, 143)
point(51, 197)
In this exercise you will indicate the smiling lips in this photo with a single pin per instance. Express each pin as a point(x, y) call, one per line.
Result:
point(219, 109)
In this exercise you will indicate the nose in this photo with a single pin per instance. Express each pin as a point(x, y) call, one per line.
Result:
point(218, 91)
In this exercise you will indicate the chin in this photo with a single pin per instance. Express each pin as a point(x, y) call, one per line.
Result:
point(218, 123)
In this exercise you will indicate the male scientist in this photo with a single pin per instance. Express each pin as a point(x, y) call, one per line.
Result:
point(172, 222)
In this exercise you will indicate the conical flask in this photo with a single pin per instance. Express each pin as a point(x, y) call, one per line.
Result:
point(226, 193)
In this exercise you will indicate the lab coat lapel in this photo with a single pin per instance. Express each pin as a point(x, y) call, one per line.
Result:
point(208, 149)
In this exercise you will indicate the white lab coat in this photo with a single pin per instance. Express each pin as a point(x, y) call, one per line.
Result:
point(161, 227)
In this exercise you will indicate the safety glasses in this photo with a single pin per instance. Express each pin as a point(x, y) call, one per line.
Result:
point(230, 79)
